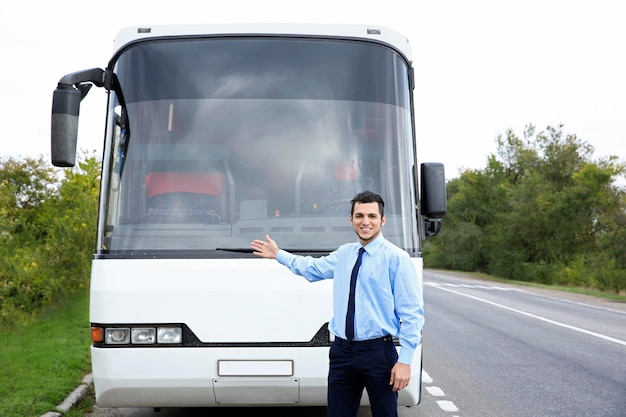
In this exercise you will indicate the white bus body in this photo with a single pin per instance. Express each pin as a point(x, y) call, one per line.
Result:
point(217, 135)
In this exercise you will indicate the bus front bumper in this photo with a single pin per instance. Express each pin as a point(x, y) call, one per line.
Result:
point(219, 377)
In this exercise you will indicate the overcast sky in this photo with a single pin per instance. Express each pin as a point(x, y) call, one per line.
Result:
point(482, 66)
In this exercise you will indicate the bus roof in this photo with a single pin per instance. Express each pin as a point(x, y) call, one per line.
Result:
point(350, 31)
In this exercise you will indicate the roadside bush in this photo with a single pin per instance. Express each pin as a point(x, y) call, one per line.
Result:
point(46, 233)
point(594, 271)
point(462, 249)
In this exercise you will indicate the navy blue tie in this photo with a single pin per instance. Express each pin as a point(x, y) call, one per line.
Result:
point(350, 314)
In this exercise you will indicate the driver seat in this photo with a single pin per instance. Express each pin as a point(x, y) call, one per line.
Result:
point(183, 197)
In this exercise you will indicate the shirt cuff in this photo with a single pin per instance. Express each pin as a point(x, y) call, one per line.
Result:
point(283, 257)
point(406, 356)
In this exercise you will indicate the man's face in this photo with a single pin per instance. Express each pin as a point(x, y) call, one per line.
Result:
point(367, 221)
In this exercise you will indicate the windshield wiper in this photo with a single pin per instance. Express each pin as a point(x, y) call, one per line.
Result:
point(248, 250)
point(240, 250)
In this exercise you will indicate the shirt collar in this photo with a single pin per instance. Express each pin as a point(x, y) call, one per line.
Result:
point(374, 245)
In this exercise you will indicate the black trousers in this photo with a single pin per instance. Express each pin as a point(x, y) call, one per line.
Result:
point(357, 365)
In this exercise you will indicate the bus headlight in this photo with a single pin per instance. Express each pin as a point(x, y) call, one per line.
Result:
point(169, 335)
point(117, 335)
point(143, 335)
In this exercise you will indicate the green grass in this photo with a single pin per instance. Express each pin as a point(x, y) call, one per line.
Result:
point(43, 362)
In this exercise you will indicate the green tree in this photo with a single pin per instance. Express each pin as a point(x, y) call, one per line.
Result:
point(24, 186)
point(46, 232)
point(542, 210)
point(72, 224)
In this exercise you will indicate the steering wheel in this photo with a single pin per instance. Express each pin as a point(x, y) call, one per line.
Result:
point(335, 206)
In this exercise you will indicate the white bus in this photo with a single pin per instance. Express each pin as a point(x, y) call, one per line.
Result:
point(217, 135)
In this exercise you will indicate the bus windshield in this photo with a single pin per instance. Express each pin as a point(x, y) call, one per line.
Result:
point(228, 139)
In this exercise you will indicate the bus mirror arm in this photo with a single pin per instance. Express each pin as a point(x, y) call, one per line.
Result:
point(71, 89)
point(433, 196)
point(432, 226)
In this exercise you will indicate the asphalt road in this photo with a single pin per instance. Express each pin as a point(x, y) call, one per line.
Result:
point(512, 351)
point(499, 350)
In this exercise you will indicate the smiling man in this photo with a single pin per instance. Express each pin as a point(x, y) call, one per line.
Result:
point(376, 298)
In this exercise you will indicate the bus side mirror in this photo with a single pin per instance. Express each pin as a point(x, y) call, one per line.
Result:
point(72, 88)
point(433, 203)
point(64, 131)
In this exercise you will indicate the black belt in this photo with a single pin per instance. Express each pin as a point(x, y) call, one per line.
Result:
point(369, 342)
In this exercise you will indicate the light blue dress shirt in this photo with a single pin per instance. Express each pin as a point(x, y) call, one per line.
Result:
point(389, 298)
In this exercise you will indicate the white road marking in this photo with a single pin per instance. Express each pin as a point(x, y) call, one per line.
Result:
point(491, 287)
point(435, 391)
point(447, 406)
point(426, 379)
point(544, 319)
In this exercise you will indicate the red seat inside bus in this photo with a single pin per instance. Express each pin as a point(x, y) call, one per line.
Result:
point(183, 197)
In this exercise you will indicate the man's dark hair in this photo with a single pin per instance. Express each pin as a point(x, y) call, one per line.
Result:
point(369, 197)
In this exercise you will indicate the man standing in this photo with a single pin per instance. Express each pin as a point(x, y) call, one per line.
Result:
point(376, 297)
